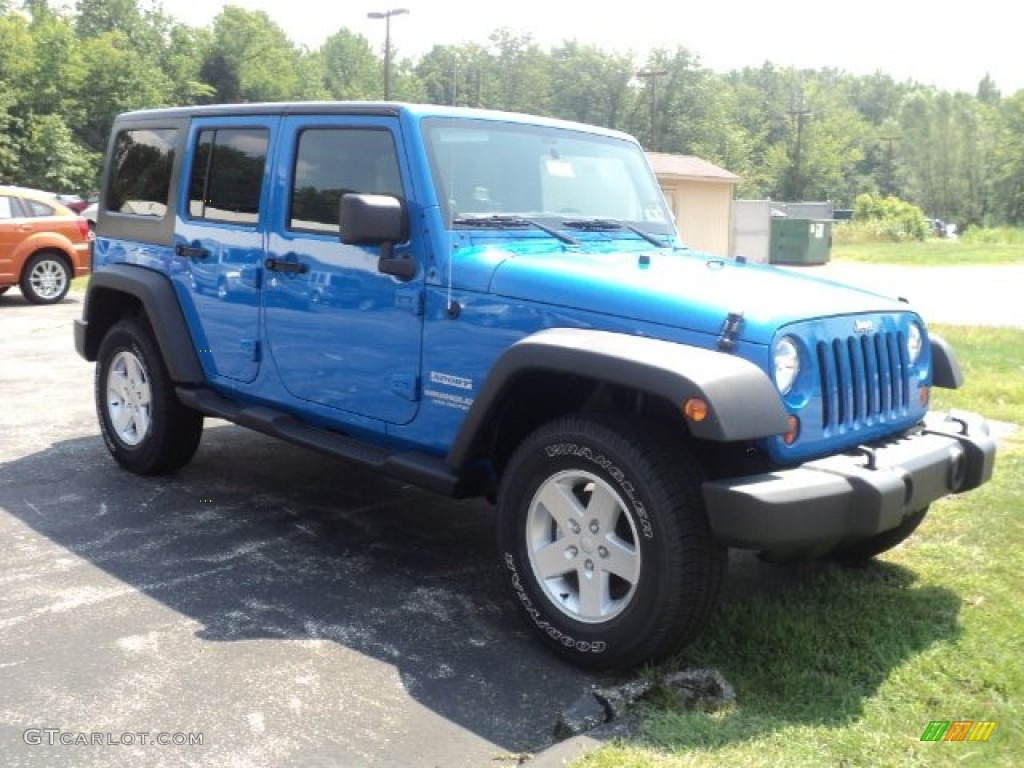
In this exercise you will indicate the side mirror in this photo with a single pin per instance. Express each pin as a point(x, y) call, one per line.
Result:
point(377, 220)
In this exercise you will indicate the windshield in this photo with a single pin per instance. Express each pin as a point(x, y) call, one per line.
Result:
point(484, 169)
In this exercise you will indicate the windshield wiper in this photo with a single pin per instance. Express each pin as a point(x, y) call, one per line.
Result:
point(512, 222)
point(604, 225)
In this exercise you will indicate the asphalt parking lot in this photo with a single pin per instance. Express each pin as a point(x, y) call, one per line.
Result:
point(278, 606)
point(289, 609)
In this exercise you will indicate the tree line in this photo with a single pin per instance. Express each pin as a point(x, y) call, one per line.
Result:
point(790, 134)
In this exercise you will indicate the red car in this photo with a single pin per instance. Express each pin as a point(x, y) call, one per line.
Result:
point(43, 245)
point(73, 203)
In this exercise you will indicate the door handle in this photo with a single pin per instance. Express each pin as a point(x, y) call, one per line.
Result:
point(191, 251)
point(280, 265)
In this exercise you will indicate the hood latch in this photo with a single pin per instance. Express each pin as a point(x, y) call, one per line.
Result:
point(730, 330)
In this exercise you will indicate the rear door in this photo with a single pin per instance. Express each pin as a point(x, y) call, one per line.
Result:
point(220, 238)
point(343, 335)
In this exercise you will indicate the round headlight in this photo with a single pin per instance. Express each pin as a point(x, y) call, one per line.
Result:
point(914, 343)
point(787, 364)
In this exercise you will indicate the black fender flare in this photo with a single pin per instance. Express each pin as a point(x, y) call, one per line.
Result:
point(743, 403)
point(153, 292)
point(946, 371)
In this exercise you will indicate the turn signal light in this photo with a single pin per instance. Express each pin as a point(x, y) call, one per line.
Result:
point(695, 409)
point(789, 437)
point(922, 396)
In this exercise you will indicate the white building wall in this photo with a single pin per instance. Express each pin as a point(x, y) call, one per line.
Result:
point(751, 231)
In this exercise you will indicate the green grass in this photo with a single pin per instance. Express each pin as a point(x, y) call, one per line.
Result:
point(992, 360)
point(930, 253)
point(1006, 235)
point(846, 667)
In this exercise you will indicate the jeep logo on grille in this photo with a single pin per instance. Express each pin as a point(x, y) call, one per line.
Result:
point(863, 326)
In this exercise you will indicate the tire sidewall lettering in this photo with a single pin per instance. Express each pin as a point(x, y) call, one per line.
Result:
point(612, 470)
point(557, 635)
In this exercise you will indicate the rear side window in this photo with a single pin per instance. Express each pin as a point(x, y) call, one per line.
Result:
point(227, 175)
point(36, 208)
point(331, 162)
point(6, 208)
point(140, 179)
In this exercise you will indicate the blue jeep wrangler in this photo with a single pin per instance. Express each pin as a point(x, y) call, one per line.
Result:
point(499, 305)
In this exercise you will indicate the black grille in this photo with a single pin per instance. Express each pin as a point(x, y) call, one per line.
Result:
point(864, 378)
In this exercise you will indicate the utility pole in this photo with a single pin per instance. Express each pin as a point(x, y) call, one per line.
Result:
point(455, 80)
point(653, 76)
point(798, 112)
point(386, 15)
point(890, 182)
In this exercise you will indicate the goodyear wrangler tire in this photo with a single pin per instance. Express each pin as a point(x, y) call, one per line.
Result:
point(146, 429)
point(604, 537)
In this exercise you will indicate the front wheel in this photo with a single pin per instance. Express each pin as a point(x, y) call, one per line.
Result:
point(861, 551)
point(146, 429)
point(605, 540)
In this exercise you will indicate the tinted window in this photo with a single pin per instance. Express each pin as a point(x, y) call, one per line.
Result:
point(333, 161)
point(35, 208)
point(140, 179)
point(227, 175)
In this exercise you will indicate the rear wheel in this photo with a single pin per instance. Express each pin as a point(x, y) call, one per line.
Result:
point(146, 429)
point(605, 539)
point(46, 278)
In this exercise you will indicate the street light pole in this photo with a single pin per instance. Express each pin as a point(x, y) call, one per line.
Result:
point(386, 15)
point(653, 75)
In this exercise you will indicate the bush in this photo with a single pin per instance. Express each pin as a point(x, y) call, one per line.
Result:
point(887, 219)
point(993, 236)
point(849, 232)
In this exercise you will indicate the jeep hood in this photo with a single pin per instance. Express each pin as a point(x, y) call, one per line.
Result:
point(681, 289)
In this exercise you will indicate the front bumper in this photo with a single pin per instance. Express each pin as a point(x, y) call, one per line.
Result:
point(855, 495)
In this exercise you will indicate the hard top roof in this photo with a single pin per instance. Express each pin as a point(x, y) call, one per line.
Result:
point(381, 108)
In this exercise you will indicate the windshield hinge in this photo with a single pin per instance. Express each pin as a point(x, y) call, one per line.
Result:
point(410, 299)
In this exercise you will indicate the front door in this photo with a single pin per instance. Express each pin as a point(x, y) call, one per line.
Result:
point(341, 333)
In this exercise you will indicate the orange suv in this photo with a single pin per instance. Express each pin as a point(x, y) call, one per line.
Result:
point(43, 245)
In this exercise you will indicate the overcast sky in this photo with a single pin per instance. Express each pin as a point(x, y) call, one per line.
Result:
point(933, 42)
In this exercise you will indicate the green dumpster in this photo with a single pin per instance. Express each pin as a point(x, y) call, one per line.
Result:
point(800, 241)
